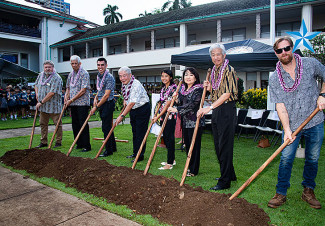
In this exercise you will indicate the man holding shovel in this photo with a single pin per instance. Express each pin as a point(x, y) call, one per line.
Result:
point(48, 88)
point(78, 98)
point(104, 102)
point(293, 87)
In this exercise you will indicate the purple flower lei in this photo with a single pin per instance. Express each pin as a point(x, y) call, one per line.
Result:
point(48, 79)
point(184, 92)
point(74, 78)
point(216, 84)
point(99, 87)
point(126, 91)
point(164, 93)
point(298, 75)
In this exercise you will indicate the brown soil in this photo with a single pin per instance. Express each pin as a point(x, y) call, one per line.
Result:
point(158, 196)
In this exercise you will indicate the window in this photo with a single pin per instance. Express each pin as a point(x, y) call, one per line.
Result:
point(147, 45)
point(234, 35)
point(117, 49)
point(191, 39)
point(280, 29)
point(264, 79)
point(97, 52)
point(167, 42)
point(24, 60)
point(251, 80)
point(64, 54)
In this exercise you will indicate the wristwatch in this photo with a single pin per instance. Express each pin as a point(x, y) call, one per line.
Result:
point(123, 116)
point(211, 108)
point(322, 94)
point(41, 102)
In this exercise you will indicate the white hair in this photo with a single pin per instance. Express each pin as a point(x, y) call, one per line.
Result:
point(75, 57)
point(218, 46)
point(126, 69)
point(48, 62)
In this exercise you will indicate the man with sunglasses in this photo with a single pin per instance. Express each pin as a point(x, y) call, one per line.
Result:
point(293, 87)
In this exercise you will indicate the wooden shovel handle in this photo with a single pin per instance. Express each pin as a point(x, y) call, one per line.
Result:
point(57, 126)
point(33, 130)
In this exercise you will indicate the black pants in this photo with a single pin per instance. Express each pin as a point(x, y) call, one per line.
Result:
point(195, 158)
point(139, 119)
point(79, 115)
point(106, 115)
point(223, 127)
point(169, 138)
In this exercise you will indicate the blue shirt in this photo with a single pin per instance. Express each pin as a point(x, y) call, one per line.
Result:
point(109, 84)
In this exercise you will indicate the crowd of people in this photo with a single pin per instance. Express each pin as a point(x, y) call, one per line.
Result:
point(293, 88)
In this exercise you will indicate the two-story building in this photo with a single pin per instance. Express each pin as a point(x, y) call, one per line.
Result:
point(27, 30)
point(146, 44)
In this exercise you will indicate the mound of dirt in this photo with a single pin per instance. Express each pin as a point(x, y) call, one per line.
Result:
point(158, 196)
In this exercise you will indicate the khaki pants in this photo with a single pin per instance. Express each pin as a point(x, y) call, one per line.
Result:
point(44, 122)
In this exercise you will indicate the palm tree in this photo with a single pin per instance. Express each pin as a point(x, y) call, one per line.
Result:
point(111, 16)
point(145, 14)
point(176, 4)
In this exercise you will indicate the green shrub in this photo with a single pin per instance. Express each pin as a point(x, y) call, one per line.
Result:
point(255, 98)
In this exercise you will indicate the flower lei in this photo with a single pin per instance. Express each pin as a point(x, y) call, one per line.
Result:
point(100, 87)
point(298, 75)
point(74, 78)
point(216, 84)
point(127, 88)
point(164, 93)
point(184, 92)
point(48, 79)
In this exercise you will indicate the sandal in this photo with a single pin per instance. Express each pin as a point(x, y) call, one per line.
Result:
point(166, 167)
point(165, 163)
point(190, 175)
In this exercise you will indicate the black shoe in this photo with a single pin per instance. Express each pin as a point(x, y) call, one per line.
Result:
point(57, 145)
point(78, 147)
point(41, 145)
point(105, 154)
point(85, 150)
point(218, 187)
point(141, 158)
point(131, 156)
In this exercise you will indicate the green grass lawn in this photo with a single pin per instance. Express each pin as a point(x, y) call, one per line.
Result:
point(247, 159)
point(24, 123)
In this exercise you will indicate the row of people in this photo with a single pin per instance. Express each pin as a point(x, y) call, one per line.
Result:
point(15, 102)
point(292, 87)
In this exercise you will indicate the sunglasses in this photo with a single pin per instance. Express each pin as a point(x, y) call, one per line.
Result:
point(286, 49)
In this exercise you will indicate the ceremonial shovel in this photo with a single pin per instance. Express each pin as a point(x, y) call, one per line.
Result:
point(57, 126)
point(33, 129)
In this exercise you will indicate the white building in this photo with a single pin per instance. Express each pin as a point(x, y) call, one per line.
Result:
point(27, 30)
point(146, 44)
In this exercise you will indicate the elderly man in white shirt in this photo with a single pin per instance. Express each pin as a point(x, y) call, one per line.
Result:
point(136, 101)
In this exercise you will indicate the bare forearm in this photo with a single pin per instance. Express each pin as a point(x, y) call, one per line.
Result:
point(283, 115)
point(80, 94)
point(128, 108)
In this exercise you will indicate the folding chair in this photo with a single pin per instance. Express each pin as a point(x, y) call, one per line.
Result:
point(241, 115)
point(252, 119)
point(269, 125)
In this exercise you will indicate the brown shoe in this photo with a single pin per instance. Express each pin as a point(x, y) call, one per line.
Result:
point(309, 197)
point(277, 200)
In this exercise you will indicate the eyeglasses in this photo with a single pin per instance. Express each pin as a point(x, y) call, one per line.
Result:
point(286, 49)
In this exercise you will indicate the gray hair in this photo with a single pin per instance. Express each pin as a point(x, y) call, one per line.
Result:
point(48, 62)
point(75, 57)
point(218, 46)
point(126, 69)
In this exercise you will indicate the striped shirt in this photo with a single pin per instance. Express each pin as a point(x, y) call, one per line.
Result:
point(228, 84)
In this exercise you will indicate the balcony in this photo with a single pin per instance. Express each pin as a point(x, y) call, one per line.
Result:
point(20, 30)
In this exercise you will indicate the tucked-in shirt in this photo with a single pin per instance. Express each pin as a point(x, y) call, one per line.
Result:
point(54, 85)
point(138, 94)
point(188, 105)
point(109, 84)
point(303, 101)
point(228, 84)
point(82, 83)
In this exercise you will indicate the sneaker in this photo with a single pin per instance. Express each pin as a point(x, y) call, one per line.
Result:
point(309, 197)
point(277, 200)
point(165, 163)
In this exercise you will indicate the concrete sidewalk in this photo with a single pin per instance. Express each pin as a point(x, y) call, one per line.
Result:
point(8, 133)
point(26, 202)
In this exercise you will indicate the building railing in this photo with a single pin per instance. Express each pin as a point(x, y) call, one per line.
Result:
point(20, 29)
